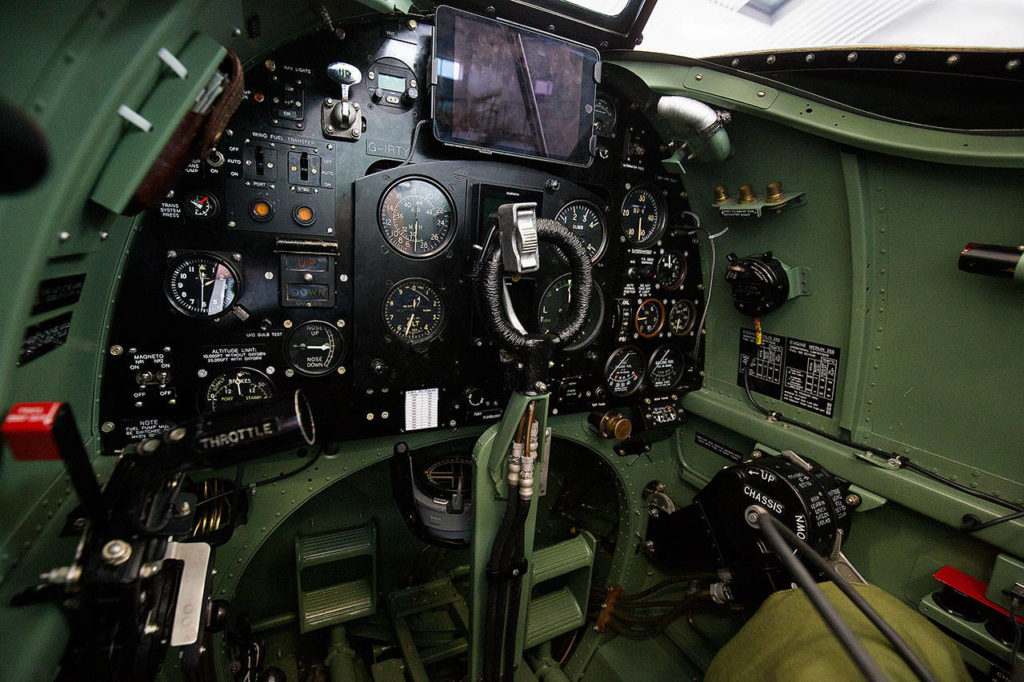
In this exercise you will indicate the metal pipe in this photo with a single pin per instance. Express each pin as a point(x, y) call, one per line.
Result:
point(544, 665)
point(680, 115)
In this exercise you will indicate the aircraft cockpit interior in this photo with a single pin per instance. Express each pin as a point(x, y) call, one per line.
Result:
point(385, 340)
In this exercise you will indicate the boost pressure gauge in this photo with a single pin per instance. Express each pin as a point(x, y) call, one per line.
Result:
point(314, 348)
point(202, 285)
point(416, 217)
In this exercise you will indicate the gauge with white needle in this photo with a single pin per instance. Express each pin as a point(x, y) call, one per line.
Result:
point(413, 310)
point(624, 371)
point(314, 348)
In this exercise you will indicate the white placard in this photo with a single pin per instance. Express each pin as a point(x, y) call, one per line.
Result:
point(421, 409)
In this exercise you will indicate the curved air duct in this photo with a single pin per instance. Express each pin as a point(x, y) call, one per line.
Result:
point(681, 115)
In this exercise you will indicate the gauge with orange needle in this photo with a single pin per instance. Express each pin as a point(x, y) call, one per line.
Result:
point(650, 316)
point(413, 310)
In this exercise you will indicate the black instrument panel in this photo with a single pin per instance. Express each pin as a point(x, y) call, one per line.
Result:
point(341, 263)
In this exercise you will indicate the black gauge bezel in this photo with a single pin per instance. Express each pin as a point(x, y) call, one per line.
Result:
point(613, 122)
point(679, 374)
point(181, 257)
point(214, 206)
point(661, 322)
point(604, 225)
point(659, 203)
point(453, 222)
point(693, 317)
point(339, 348)
point(205, 405)
point(682, 270)
point(607, 370)
point(440, 297)
point(595, 293)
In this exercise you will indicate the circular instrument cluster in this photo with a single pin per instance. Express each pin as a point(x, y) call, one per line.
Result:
point(314, 348)
point(627, 370)
point(417, 217)
point(413, 311)
point(236, 388)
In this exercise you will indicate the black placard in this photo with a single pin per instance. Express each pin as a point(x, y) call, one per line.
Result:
point(812, 370)
point(58, 292)
point(716, 447)
point(43, 337)
point(800, 373)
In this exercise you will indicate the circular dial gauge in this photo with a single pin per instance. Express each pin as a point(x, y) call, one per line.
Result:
point(202, 285)
point(237, 388)
point(417, 218)
point(314, 348)
point(586, 222)
point(624, 371)
point(202, 205)
point(671, 270)
point(448, 475)
point(681, 317)
point(666, 367)
point(643, 218)
point(604, 117)
point(414, 310)
point(554, 307)
point(650, 316)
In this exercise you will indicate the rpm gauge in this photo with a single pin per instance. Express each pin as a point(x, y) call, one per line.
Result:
point(650, 317)
point(417, 218)
point(413, 310)
point(666, 367)
point(314, 348)
point(555, 304)
point(202, 285)
point(586, 222)
point(643, 216)
point(624, 371)
point(237, 388)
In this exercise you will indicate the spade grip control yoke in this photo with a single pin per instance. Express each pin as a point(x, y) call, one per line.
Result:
point(516, 253)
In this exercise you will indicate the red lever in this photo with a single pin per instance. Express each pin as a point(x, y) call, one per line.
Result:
point(28, 431)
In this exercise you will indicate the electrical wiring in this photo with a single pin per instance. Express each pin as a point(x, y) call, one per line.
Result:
point(860, 656)
point(819, 562)
point(711, 277)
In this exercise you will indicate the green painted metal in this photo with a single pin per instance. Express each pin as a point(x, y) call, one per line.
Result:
point(786, 105)
point(388, 6)
point(974, 633)
point(344, 601)
point(1007, 574)
point(164, 108)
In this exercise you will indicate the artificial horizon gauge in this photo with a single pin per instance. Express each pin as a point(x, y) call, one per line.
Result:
point(416, 217)
point(682, 317)
point(202, 285)
point(650, 317)
point(236, 388)
point(586, 222)
point(413, 310)
point(643, 217)
point(555, 304)
point(624, 371)
point(671, 270)
point(314, 348)
point(666, 367)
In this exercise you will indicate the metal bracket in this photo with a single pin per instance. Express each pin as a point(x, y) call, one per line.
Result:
point(731, 208)
point(188, 611)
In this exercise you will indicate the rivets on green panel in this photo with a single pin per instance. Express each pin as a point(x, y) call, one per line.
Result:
point(974, 484)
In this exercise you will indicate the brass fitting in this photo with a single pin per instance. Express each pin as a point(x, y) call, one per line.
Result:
point(747, 195)
point(721, 194)
point(774, 192)
point(611, 424)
